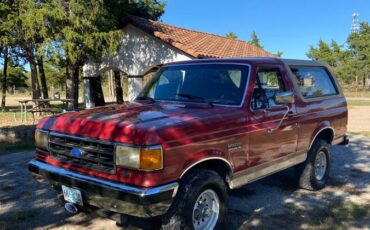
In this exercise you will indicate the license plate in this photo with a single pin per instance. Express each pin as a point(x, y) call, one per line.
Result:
point(72, 195)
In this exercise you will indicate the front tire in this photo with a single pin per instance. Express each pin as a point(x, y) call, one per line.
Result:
point(200, 202)
point(314, 172)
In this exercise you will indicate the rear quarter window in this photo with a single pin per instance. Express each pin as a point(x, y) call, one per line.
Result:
point(314, 81)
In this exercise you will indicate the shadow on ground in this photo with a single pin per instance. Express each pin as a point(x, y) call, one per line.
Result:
point(271, 203)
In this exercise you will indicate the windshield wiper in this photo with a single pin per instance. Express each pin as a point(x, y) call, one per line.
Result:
point(188, 96)
point(194, 97)
point(145, 98)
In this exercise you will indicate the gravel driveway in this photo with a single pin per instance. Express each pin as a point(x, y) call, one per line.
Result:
point(271, 203)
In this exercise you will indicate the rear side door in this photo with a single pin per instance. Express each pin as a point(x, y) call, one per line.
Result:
point(273, 127)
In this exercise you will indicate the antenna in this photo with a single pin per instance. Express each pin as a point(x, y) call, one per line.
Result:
point(355, 26)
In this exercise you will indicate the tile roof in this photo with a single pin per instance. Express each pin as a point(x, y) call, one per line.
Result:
point(198, 44)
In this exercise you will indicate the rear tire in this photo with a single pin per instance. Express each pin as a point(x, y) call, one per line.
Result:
point(200, 203)
point(314, 172)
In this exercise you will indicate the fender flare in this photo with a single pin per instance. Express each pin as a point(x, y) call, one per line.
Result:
point(194, 164)
point(320, 128)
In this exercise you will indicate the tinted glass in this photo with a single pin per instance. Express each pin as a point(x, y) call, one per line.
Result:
point(216, 83)
point(314, 81)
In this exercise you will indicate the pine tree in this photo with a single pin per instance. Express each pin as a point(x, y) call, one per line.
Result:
point(95, 33)
point(348, 64)
point(359, 47)
point(70, 32)
point(231, 35)
point(7, 42)
point(255, 40)
point(279, 53)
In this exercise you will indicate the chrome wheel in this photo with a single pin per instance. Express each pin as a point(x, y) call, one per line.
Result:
point(206, 210)
point(320, 165)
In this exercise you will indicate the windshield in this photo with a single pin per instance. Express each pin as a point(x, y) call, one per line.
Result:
point(210, 83)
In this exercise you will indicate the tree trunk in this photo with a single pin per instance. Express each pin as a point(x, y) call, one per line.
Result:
point(97, 91)
point(72, 83)
point(30, 56)
point(4, 80)
point(68, 83)
point(118, 87)
point(364, 81)
point(34, 80)
point(44, 86)
point(75, 84)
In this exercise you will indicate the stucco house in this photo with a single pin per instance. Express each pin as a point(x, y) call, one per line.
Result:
point(146, 44)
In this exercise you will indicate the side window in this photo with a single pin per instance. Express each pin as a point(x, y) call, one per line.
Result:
point(314, 81)
point(268, 83)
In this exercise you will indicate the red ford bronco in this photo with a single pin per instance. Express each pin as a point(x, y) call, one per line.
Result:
point(197, 129)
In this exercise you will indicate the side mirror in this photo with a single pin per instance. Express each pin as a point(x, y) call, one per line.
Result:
point(284, 97)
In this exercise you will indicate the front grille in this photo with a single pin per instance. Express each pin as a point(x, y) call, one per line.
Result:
point(95, 154)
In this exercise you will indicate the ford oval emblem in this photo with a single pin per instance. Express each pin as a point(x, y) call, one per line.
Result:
point(76, 152)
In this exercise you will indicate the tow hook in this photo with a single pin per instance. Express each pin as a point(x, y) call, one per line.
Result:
point(71, 208)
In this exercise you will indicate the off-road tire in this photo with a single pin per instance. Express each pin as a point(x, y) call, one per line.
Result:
point(305, 172)
point(179, 215)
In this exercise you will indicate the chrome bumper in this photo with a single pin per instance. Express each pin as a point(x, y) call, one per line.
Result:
point(342, 140)
point(116, 197)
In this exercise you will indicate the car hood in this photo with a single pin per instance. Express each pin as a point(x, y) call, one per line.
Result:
point(136, 123)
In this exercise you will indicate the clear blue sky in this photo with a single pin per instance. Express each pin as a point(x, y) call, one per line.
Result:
point(290, 26)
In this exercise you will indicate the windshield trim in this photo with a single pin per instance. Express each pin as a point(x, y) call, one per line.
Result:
point(217, 63)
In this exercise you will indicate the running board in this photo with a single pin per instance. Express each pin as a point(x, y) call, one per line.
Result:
point(260, 171)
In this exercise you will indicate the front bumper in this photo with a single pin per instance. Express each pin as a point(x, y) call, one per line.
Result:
point(116, 197)
point(342, 140)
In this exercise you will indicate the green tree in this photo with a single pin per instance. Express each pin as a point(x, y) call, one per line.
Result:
point(279, 53)
point(30, 26)
point(322, 53)
point(6, 42)
point(335, 56)
point(348, 62)
point(359, 47)
point(255, 40)
point(231, 35)
point(95, 33)
point(55, 75)
point(71, 32)
point(17, 76)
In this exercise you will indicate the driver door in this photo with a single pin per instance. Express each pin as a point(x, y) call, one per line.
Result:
point(273, 130)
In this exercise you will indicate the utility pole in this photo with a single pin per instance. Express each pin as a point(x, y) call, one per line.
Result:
point(355, 26)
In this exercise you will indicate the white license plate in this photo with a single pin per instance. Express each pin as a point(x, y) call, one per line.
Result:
point(72, 195)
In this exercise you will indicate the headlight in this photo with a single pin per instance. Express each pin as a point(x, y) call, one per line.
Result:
point(41, 139)
point(145, 158)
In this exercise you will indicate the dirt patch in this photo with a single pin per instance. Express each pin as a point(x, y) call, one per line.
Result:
point(359, 118)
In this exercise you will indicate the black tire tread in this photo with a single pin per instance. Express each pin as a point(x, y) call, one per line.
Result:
point(175, 218)
point(305, 171)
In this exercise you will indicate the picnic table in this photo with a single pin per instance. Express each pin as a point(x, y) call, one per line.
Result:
point(40, 106)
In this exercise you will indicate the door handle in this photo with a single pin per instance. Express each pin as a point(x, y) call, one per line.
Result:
point(286, 114)
point(290, 113)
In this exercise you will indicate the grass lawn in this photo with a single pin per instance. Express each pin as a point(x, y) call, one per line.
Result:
point(364, 133)
point(358, 102)
point(360, 93)
point(7, 119)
